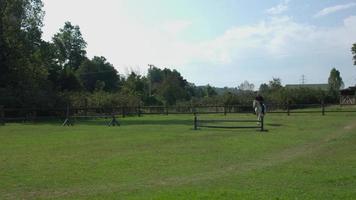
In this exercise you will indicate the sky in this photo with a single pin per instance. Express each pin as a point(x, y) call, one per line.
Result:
point(217, 42)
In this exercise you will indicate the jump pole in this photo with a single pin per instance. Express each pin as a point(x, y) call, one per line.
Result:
point(261, 124)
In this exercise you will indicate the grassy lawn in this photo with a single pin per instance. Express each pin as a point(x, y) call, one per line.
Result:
point(303, 156)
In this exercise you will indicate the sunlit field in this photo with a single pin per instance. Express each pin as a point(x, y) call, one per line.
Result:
point(302, 156)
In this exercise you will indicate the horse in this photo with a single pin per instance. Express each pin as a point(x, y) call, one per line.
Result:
point(259, 108)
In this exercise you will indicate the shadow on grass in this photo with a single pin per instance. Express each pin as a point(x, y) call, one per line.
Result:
point(275, 125)
point(105, 122)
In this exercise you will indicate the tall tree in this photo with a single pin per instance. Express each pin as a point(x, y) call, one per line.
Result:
point(98, 69)
point(335, 81)
point(275, 84)
point(22, 72)
point(136, 85)
point(68, 81)
point(70, 46)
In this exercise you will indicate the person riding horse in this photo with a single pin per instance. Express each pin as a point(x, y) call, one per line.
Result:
point(259, 107)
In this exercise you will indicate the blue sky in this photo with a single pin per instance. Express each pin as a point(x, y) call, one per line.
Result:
point(217, 42)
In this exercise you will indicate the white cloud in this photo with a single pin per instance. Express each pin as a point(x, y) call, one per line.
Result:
point(281, 47)
point(278, 9)
point(128, 42)
point(333, 9)
point(275, 38)
point(280, 37)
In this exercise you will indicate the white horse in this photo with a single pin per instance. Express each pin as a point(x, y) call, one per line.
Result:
point(259, 109)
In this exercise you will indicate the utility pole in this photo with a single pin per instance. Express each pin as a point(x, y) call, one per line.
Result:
point(303, 79)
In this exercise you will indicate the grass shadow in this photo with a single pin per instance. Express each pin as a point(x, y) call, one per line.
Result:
point(274, 125)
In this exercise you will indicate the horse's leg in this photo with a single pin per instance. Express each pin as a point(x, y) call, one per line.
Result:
point(259, 118)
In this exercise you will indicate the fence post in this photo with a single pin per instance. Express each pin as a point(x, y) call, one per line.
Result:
point(85, 107)
point(123, 110)
point(167, 110)
point(34, 117)
point(2, 116)
point(288, 109)
point(195, 122)
point(225, 110)
point(139, 111)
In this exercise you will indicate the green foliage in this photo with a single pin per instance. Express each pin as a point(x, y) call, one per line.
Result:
point(275, 84)
point(22, 73)
point(210, 91)
point(335, 81)
point(68, 80)
point(275, 93)
point(70, 46)
point(169, 86)
point(136, 85)
point(100, 99)
point(96, 71)
point(335, 84)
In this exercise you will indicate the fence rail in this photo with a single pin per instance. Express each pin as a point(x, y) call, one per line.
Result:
point(33, 114)
point(199, 123)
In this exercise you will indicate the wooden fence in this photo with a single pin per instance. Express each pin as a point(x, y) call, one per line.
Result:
point(37, 114)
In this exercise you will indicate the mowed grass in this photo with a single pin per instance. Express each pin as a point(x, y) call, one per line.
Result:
point(303, 156)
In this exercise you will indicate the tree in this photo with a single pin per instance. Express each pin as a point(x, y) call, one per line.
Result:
point(169, 86)
point(98, 69)
point(170, 91)
point(275, 84)
point(70, 46)
point(68, 81)
point(136, 85)
point(264, 88)
point(210, 91)
point(22, 72)
point(246, 86)
point(335, 81)
point(353, 50)
point(273, 91)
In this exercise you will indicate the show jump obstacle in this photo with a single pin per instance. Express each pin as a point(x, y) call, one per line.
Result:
point(68, 120)
point(209, 124)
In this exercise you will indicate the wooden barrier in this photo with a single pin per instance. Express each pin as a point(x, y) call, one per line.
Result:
point(200, 124)
point(113, 121)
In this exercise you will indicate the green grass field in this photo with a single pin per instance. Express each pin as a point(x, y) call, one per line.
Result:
point(303, 156)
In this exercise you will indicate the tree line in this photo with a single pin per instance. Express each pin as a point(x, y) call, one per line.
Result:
point(48, 74)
